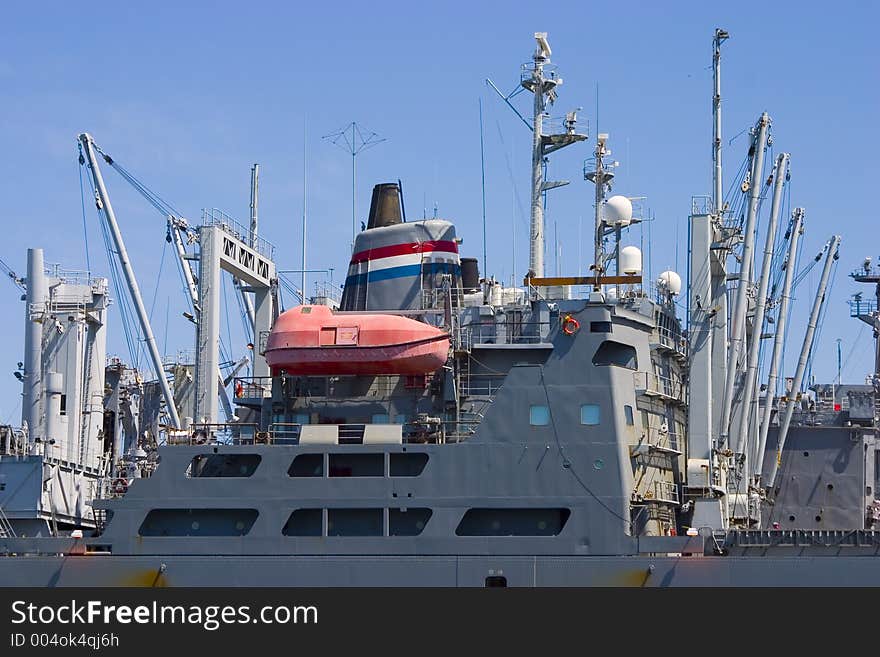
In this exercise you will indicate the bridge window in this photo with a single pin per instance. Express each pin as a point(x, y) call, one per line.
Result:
point(591, 414)
point(512, 522)
point(408, 464)
point(617, 354)
point(357, 465)
point(407, 522)
point(539, 415)
point(600, 327)
point(223, 465)
point(307, 465)
point(198, 522)
point(305, 522)
point(354, 522)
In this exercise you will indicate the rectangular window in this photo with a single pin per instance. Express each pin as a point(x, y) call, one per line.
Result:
point(617, 354)
point(539, 415)
point(512, 522)
point(408, 464)
point(380, 418)
point(305, 522)
point(628, 414)
point(63, 404)
point(223, 465)
point(307, 465)
point(600, 327)
point(301, 418)
point(407, 522)
point(590, 414)
point(354, 522)
point(357, 465)
point(198, 522)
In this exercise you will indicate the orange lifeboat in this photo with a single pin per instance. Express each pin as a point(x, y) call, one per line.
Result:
point(313, 340)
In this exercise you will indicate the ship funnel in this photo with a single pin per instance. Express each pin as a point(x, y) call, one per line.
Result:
point(470, 275)
point(385, 206)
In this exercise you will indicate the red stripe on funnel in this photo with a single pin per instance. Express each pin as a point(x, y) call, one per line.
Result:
point(403, 249)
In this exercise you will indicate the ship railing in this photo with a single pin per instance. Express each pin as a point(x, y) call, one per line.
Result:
point(252, 387)
point(327, 290)
point(702, 205)
point(71, 276)
point(436, 297)
point(551, 72)
point(654, 385)
point(215, 217)
point(220, 433)
point(859, 307)
point(459, 431)
point(672, 340)
point(181, 357)
point(664, 438)
point(663, 492)
point(482, 384)
point(284, 433)
point(508, 332)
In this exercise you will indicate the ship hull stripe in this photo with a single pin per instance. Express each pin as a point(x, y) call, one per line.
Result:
point(405, 249)
point(400, 272)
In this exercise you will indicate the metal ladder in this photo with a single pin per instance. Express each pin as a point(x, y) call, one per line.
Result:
point(6, 530)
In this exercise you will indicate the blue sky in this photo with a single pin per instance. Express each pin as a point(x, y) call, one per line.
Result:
point(188, 95)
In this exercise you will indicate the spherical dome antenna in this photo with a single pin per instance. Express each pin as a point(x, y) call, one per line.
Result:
point(670, 281)
point(618, 210)
point(630, 260)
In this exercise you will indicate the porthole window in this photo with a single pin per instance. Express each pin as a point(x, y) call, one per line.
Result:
point(539, 415)
point(591, 414)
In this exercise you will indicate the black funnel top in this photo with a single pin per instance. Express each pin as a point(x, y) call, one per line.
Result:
point(385, 206)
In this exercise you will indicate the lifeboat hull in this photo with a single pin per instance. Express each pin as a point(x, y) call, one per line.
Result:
point(312, 340)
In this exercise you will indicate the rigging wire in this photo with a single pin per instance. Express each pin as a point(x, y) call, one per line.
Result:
point(82, 200)
point(163, 206)
point(567, 463)
point(821, 323)
point(155, 291)
point(15, 278)
point(125, 311)
point(853, 347)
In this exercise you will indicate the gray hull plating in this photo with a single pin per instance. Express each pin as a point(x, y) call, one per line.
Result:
point(640, 571)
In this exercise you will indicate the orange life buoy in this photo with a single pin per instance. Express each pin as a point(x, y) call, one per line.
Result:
point(570, 325)
point(239, 389)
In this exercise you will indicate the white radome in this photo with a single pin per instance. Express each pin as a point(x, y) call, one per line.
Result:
point(671, 281)
point(631, 260)
point(618, 210)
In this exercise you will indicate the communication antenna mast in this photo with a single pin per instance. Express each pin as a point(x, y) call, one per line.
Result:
point(717, 191)
point(354, 139)
point(541, 78)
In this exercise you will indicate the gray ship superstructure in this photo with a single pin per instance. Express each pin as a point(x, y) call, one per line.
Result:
point(575, 434)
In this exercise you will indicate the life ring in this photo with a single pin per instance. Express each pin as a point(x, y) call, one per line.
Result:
point(119, 486)
point(239, 389)
point(570, 325)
